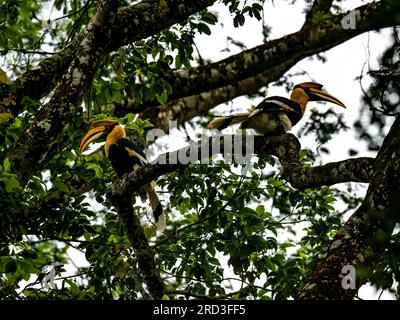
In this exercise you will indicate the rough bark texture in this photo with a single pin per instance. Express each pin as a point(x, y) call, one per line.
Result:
point(149, 17)
point(355, 170)
point(37, 82)
point(362, 240)
point(184, 109)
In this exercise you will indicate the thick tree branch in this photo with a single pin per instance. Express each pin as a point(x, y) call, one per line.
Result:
point(361, 242)
point(300, 177)
point(149, 17)
point(285, 147)
point(37, 82)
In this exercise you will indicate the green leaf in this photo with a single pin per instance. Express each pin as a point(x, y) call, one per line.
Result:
point(61, 186)
point(113, 239)
point(58, 4)
point(257, 6)
point(74, 288)
point(27, 266)
point(10, 182)
point(260, 209)
point(257, 14)
point(162, 98)
point(209, 17)
point(6, 165)
point(178, 62)
point(320, 16)
point(234, 5)
point(203, 28)
point(3, 77)
point(117, 85)
point(6, 115)
point(69, 155)
point(29, 254)
point(11, 267)
point(285, 245)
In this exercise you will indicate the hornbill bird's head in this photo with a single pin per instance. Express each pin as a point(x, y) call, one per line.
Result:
point(102, 129)
point(312, 91)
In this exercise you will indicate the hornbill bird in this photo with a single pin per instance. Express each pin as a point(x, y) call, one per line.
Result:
point(125, 157)
point(277, 115)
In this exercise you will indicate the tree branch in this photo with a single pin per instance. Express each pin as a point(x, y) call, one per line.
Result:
point(361, 242)
point(285, 147)
point(149, 17)
point(300, 177)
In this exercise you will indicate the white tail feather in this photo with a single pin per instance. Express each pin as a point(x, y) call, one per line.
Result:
point(155, 205)
point(161, 223)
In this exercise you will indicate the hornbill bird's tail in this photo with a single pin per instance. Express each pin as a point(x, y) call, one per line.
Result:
point(224, 122)
point(155, 205)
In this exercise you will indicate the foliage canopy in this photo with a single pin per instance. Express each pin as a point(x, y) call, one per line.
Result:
point(230, 234)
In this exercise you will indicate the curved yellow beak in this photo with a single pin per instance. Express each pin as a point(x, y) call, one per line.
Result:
point(96, 131)
point(318, 94)
point(92, 135)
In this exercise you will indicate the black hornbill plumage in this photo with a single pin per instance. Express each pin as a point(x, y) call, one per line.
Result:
point(125, 157)
point(277, 115)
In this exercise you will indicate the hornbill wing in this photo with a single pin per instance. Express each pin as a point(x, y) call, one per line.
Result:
point(277, 104)
point(136, 159)
point(133, 150)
